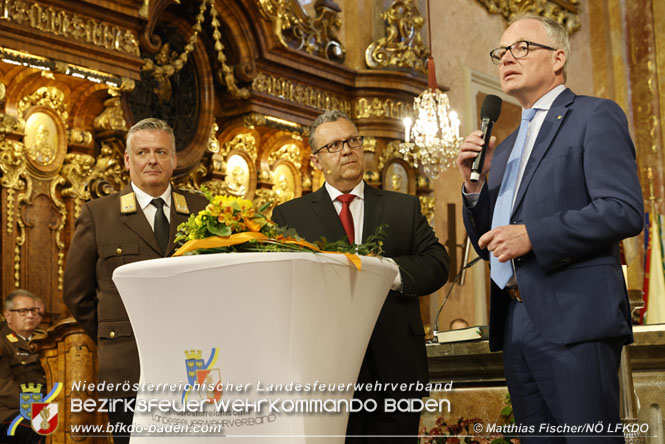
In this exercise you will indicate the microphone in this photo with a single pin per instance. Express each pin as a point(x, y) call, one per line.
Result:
point(489, 113)
point(450, 290)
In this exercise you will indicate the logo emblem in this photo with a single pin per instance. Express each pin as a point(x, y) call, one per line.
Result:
point(202, 373)
point(44, 417)
point(39, 410)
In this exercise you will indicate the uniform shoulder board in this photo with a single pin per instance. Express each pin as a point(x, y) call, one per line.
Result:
point(128, 203)
point(11, 337)
point(180, 203)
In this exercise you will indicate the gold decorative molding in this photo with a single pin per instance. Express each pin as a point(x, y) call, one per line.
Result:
point(402, 46)
point(11, 124)
point(213, 143)
point(169, 63)
point(295, 29)
point(77, 170)
point(112, 118)
point(369, 144)
point(391, 151)
point(252, 120)
point(14, 165)
point(289, 152)
point(371, 108)
point(80, 137)
point(87, 177)
point(299, 93)
point(565, 12)
point(225, 75)
point(72, 26)
point(48, 96)
point(195, 178)
point(215, 186)
point(428, 206)
point(33, 166)
point(245, 142)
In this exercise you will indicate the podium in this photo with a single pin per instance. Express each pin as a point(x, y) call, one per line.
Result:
point(275, 341)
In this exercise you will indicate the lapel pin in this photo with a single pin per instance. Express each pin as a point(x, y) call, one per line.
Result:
point(559, 117)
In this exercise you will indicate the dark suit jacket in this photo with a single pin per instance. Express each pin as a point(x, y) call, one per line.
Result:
point(579, 197)
point(106, 238)
point(397, 344)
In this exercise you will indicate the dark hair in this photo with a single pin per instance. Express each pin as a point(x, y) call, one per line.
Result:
point(332, 115)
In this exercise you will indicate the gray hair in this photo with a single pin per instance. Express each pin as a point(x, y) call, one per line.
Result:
point(557, 33)
point(151, 124)
point(9, 299)
point(332, 115)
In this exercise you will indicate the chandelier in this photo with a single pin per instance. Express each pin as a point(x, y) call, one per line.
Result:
point(432, 141)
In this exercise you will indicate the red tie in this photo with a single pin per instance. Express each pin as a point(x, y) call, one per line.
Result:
point(346, 217)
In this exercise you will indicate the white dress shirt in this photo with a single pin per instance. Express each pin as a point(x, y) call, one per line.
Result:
point(357, 209)
point(149, 210)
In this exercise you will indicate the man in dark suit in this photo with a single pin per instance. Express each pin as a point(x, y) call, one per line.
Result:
point(136, 224)
point(396, 352)
point(562, 194)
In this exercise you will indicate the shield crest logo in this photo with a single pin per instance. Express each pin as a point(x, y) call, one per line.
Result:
point(211, 379)
point(26, 400)
point(194, 362)
point(44, 417)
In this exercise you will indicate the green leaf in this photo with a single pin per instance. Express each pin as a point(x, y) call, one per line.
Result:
point(216, 228)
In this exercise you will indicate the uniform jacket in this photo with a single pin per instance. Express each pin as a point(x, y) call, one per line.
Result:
point(18, 365)
point(397, 344)
point(579, 197)
point(106, 237)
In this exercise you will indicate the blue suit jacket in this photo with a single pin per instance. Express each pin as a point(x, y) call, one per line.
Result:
point(578, 198)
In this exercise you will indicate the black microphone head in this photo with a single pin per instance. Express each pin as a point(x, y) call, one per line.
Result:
point(491, 108)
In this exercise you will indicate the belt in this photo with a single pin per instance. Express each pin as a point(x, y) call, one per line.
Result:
point(514, 293)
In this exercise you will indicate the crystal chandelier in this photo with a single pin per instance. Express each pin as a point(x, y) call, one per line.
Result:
point(432, 141)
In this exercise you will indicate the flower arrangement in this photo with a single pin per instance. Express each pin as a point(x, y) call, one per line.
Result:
point(461, 432)
point(232, 224)
point(470, 431)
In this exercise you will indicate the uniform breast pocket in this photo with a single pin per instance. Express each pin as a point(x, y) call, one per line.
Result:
point(116, 254)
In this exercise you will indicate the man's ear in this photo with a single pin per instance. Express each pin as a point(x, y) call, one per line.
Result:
point(315, 161)
point(559, 60)
point(126, 157)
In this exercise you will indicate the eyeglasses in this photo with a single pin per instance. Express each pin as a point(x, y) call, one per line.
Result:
point(24, 311)
point(337, 146)
point(519, 50)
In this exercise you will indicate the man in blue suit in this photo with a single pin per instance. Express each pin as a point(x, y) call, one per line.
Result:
point(562, 193)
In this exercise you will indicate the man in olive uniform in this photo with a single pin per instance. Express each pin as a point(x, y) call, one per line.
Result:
point(136, 224)
point(18, 365)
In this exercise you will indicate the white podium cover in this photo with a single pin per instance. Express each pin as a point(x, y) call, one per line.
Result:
point(244, 323)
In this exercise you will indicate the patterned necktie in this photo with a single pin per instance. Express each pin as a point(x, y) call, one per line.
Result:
point(501, 272)
point(161, 225)
point(346, 217)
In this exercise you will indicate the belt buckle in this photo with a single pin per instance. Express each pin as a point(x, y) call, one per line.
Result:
point(514, 293)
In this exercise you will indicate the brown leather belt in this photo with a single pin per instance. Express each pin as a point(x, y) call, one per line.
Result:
point(514, 293)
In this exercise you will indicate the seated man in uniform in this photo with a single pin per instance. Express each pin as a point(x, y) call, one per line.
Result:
point(18, 365)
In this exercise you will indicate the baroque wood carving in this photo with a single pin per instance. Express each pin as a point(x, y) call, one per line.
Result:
point(565, 12)
point(402, 46)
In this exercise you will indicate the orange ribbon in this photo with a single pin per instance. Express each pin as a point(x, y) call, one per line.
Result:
point(241, 238)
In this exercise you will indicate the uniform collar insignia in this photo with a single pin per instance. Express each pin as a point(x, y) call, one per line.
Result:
point(180, 203)
point(11, 337)
point(128, 203)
